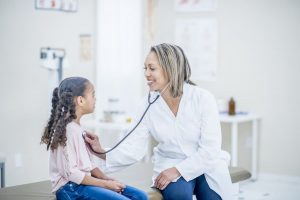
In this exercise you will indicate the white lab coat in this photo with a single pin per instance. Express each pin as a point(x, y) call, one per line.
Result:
point(191, 141)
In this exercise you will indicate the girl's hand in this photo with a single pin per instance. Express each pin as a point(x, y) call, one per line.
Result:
point(114, 185)
point(165, 177)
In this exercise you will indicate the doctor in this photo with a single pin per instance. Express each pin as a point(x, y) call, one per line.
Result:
point(184, 121)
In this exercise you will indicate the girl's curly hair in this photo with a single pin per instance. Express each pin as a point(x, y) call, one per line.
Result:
point(63, 110)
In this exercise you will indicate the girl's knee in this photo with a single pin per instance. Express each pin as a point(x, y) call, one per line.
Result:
point(135, 194)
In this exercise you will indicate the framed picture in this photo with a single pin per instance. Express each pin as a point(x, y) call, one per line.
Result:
point(59, 5)
point(195, 5)
point(198, 38)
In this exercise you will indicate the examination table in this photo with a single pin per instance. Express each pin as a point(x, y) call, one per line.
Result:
point(138, 175)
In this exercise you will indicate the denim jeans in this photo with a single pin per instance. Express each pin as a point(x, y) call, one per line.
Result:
point(72, 191)
point(183, 190)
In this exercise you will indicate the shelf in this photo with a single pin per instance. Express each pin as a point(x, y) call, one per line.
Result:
point(224, 117)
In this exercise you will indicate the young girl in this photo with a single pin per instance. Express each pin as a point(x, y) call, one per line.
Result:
point(73, 174)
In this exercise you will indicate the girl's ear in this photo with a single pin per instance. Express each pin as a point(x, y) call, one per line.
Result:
point(79, 100)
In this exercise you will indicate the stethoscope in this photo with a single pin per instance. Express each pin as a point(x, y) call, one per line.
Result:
point(142, 117)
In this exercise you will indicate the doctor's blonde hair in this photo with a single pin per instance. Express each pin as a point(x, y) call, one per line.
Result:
point(175, 65)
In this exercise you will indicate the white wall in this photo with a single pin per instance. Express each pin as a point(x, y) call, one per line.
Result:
point(23, 83)
point(259, 65)
point(119, 53)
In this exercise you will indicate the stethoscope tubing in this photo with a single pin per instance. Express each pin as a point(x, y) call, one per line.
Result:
point(129, 133)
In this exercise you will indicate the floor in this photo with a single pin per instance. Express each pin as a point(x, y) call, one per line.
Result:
point(270, 189)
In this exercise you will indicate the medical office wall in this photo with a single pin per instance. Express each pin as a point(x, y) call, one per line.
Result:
point(24, 83)
point(258, 45)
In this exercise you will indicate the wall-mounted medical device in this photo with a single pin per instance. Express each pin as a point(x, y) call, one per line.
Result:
point(52, 59)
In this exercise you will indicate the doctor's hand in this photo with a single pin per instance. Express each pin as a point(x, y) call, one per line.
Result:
point(94, 143)
point(165, 177)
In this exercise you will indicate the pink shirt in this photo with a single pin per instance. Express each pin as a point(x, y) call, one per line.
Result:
point(71, 162)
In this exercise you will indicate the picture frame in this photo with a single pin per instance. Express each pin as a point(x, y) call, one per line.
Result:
point(199, 40)
point(190, 6)
point(57, 5)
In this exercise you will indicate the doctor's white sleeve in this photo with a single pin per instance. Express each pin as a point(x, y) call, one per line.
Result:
point(133, 148)
point(208, 153)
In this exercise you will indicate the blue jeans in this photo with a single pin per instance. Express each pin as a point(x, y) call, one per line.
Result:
point(72, 191)
point(183, 190)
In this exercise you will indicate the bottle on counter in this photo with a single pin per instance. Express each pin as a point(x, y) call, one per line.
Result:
point(231, 106)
